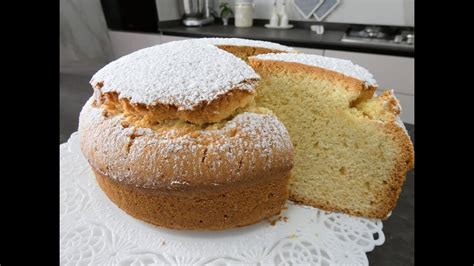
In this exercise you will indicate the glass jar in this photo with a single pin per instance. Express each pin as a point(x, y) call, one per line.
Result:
point(244, 13)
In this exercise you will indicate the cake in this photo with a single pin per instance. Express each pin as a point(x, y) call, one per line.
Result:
point(352, 151)
point(203, 134)
point(174, 139)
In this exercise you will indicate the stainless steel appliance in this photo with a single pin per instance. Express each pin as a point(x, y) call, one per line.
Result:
point(197, 13)
point(380, 35)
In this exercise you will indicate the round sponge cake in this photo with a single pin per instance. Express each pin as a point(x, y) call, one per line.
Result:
point(179, 134)
point(173, 139)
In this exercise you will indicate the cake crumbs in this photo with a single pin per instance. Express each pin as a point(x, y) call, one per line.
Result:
point(277, 219)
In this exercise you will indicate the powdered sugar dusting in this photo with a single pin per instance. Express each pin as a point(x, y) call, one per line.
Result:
point(246, 42)
point(342, 66)
point(248, 142)
point(181, 73)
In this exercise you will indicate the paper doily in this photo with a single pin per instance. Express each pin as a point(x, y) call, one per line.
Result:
point(94, 231)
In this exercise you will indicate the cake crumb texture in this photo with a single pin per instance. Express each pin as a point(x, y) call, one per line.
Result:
point(351, 154)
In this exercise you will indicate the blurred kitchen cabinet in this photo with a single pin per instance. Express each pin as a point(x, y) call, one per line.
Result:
point(167, 38)
point(310, 50)
point(124, 43)
point(390, 72)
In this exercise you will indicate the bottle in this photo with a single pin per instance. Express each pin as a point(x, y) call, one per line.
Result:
point(243, 13)
point(274, 20)
point(283, 16)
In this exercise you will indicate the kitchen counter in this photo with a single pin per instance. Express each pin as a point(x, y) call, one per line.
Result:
point(300, 36)
point(399, 228)
point(398, 248)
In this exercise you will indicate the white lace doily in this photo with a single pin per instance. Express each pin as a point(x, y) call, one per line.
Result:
point(94, 231)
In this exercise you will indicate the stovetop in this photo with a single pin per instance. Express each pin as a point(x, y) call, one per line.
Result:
point(380, 35)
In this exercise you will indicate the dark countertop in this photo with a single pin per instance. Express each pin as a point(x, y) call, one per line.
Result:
point(300, 36)
point(399, 228)
point(398, 248)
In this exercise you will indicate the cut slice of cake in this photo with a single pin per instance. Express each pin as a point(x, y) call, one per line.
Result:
point(351, 150)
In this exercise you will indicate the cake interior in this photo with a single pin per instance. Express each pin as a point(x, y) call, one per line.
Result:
point(344, 159)
point(133, 115)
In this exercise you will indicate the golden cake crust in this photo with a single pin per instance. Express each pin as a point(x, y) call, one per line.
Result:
point(213, 111)
point(233, 174)
point(247, 147)
point(213, 208)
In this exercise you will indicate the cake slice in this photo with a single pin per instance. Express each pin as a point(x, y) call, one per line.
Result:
point(351, 150)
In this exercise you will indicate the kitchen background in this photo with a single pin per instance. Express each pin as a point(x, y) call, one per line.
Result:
point(378, 35)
